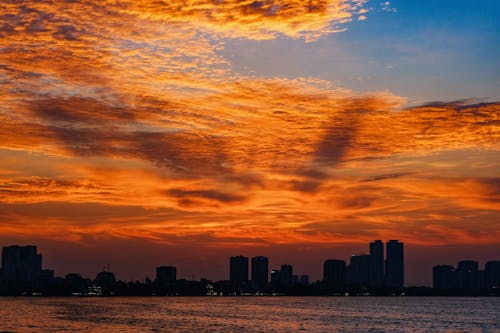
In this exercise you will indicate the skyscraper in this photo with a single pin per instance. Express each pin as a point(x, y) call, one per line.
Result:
point(443, 277)
point(394, 264)
point(286, 275)
point(260, 272)
point(376, 263)
point(238, 271)
point(21, 263)
point(359, 269)
point(275, 277)
point(492, 272)
point(334, 273)
point(467, 274)
point(166, 275)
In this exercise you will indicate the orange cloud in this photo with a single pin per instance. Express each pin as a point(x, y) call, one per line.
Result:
point(252, 19)
point(128, 110)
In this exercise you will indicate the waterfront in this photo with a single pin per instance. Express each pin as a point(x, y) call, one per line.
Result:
point(250, 314)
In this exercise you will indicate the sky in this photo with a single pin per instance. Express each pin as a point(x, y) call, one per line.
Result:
point(145, 133)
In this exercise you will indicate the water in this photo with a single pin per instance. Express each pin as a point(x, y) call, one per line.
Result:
point(250, 314)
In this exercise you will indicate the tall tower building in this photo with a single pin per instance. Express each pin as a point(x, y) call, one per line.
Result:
point(275, 277)
point(468, 274)
point(260, 272)
point(394, 264)
point(166, 275)
point(359, 269)
point(376, 263)
point(238, 271)
point(21, 263)
point(443, 277)
point(286, 275)
point(334, 273)
point(492, 271)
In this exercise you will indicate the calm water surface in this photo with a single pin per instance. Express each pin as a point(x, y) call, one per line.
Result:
point(250, 314)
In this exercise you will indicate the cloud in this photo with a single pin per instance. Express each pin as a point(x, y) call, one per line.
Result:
point(387, 7)
point(132, 104)
point(42, 189)
point(385, 176)
point(253, 19)
point(212, 195)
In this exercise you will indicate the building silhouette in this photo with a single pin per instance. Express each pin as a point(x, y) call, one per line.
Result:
point(359, 270)
point(492, 274)
point(334, 273)
point(443, 277)
point(105, 279)
point(275, 277)
point(75, 283)
point(166, 276)
point(21, 264)
point(394, 264)
point(468, 275)
point(260, 272)
point(376, 263)
point(22, 274)
point(286, 275)
point(238, 271)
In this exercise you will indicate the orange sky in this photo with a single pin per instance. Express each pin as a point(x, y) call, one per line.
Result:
point(123, 124)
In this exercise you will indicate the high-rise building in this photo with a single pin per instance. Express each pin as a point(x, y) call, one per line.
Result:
point(394, 264)
point(492, 274)
point(166, 275)
point(238, 271)
point(443, 277)
point(21, 263)
point(286, 275)
point(275, 277)
point(468, 274)
point(359, 269)
point(260, 272)
point(376, 263)
point(334, 273)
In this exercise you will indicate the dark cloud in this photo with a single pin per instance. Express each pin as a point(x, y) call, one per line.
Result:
point(492, 188)
point(206, 194)
point(89, 127)
point(68, 32)
point(457, 104)
point(342, 132)
point(80, 110)
point(386, 176)
point(182, 152)
point(356, 201)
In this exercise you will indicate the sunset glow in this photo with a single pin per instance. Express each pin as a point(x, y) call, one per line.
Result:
point(136, 126)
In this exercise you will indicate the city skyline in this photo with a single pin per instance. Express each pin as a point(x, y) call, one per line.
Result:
point(256, 271)
point(23, 273)
point(186, 132)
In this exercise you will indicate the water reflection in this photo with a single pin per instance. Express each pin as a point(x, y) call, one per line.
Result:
point(250, 314)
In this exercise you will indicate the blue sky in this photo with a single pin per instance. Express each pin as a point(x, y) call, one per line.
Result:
point(423, 50)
